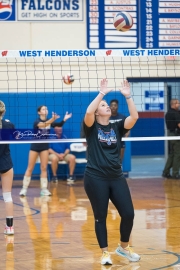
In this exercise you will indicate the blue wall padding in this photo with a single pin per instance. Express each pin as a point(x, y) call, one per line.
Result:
point(148, 127)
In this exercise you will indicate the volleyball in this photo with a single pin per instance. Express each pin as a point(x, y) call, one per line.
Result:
point(123, 21)
point(68, 79)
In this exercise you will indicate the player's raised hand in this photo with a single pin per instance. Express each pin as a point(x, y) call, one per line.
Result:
point(104, 86)
point(67, 116)
point(125, 88)
point(55, 116)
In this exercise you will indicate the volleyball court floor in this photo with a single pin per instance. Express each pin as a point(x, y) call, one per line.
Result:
point(57, 232)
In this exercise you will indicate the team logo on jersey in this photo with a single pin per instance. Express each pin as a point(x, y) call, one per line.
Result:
point(6, 9)
point(114, 121)
point(107, 137)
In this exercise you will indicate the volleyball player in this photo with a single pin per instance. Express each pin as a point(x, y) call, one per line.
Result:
point(103, 178)
point(6, 170)
point(42, 125)
point(115, 117)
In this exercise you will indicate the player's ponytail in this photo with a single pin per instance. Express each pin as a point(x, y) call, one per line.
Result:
point(2, 110)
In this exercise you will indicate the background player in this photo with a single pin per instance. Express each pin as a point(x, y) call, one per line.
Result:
point(43, 125)
point(6, 170)
point(103, 179)
point(115, 117)
point(172, 119)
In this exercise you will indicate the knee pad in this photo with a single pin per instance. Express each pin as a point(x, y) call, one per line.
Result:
point(7, 197)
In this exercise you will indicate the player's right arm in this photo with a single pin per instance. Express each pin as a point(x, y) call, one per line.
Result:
point(48, 122)
point(90, 112)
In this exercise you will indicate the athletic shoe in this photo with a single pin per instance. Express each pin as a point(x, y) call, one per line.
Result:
point(127, 253)
point(70, 180)
point(45, 192)
point(23, 192)
point(106, 258)
point(9, 230)
point(54, 179)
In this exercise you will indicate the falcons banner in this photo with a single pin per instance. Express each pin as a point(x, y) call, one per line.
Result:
point(41, 10)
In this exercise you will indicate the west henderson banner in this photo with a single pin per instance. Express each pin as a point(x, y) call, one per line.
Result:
point(89, 53)
point(41, 10)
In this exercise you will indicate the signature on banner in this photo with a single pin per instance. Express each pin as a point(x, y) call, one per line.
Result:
point(29, 134)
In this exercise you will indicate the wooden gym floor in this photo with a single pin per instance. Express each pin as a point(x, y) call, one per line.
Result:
point(58, 232)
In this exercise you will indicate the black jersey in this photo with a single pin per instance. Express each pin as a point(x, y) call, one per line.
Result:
point(43, 133)
point(117, 118)
point(5, 157)
point(104, 144)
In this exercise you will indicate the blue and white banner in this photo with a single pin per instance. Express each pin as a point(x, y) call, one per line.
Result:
point(41, 10)
point(89, 53)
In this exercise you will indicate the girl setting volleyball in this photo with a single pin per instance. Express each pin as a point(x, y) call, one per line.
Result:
point(6, 171)
point(43, 125)
point(104, 180)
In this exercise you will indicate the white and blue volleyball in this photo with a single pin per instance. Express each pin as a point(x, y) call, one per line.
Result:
point(123, 21)
point(68, 79)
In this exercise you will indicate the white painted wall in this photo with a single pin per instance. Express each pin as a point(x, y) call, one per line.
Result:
point(43, 35)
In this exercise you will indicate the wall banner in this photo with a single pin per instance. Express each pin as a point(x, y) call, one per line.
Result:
point(41, 10)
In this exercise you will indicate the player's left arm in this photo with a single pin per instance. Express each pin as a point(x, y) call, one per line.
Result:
point(60, 124)
point(67, 116)
point(133, 117)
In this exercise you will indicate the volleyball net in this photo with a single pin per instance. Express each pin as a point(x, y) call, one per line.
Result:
point(29, 79)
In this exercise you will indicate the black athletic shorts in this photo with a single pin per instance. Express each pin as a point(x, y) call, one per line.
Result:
point(39, 147)
point(38, 151)
point(5, 171)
